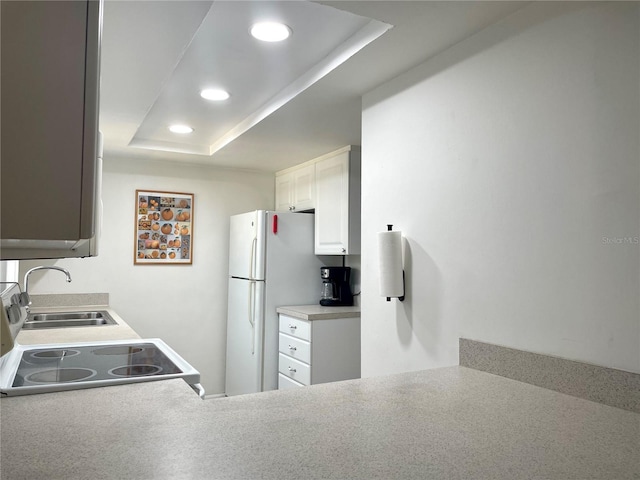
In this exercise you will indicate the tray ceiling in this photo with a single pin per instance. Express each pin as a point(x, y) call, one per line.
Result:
point(290, 101)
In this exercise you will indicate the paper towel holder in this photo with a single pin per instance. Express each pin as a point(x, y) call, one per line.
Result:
point(401, 298)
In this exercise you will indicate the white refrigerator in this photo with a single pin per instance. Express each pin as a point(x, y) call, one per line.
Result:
point(271, 263)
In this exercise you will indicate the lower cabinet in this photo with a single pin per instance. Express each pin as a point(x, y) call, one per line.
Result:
point(317, 351)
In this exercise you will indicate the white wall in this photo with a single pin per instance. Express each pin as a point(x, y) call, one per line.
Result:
point(9, 270)
point(511, 162)
point(185, 305)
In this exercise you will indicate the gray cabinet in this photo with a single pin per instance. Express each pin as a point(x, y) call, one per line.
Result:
point(49, 104)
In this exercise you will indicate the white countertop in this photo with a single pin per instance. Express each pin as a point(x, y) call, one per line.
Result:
point(447, 423)
point(318, 312)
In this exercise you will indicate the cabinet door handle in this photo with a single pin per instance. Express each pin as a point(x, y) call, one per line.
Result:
point(291, 347)
point(344, 250)
point(293, 208)
point(292, 370)
point(293, 327)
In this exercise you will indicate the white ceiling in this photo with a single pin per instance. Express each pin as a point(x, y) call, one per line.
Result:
point(290, 102)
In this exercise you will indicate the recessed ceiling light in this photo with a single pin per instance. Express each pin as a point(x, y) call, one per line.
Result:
point(181, 129)
point(216, 94)
point(270, 31)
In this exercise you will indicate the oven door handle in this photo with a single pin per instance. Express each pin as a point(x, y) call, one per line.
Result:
point(199, 389)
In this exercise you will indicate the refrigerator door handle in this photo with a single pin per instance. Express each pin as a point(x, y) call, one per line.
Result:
point(252, 312)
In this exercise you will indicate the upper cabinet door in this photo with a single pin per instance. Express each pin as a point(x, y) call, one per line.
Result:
point(304, 188)
point(337, 214)
point(284, 192)
point(295, 189)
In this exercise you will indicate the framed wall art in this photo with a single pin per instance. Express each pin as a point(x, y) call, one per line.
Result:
point(164, 228)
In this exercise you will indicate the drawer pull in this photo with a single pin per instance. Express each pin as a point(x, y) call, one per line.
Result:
point(291, 347)
point(292, 369)
point(293, 327)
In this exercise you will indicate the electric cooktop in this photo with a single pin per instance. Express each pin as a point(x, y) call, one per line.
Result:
point(31, 369)
point(60, 365)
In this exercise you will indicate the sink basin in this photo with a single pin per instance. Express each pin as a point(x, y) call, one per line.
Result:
point(68, 319)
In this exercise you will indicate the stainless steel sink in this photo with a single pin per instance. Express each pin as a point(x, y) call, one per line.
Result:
point(68, 319)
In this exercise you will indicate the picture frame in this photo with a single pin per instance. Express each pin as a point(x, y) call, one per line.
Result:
point(163, 228)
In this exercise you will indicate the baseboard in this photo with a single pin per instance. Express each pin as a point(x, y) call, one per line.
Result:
point(213, 396)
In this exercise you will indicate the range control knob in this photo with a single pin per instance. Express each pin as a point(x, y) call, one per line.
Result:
point(25, 299)
point(21, 299)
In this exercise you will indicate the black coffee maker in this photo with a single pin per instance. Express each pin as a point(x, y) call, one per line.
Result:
point(336, 290)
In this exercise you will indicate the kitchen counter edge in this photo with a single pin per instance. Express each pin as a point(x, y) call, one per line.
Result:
point(318, 312)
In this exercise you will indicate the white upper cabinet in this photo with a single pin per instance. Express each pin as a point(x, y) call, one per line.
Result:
point(284, 191)
point(337, 214)
point(329, 185)
point(295, 189)
point(304, 192)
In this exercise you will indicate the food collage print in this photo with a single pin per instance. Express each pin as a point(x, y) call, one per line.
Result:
point(164, 227)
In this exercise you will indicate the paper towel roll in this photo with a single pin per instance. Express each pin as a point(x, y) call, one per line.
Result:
point(390, 261)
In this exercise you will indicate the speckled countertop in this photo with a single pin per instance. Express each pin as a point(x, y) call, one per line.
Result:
point(447, 423)
point(318, 312)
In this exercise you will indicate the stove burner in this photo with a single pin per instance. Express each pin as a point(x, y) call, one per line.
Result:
point(135, 370)
point(54, 354)
point(61, 375)
point(118, 350)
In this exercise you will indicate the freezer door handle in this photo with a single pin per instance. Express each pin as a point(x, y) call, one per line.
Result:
point(252, 258)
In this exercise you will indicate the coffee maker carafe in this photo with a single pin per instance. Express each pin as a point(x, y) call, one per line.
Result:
point(336, 290)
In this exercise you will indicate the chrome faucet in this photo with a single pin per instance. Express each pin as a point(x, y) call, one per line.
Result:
point(26, 275)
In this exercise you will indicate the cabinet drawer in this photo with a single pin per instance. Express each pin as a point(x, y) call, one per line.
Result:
point(285, 383)
point(295, 348)
point(295, 327)
point(298, 371)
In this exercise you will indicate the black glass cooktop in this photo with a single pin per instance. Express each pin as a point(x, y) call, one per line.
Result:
point(89, 363)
